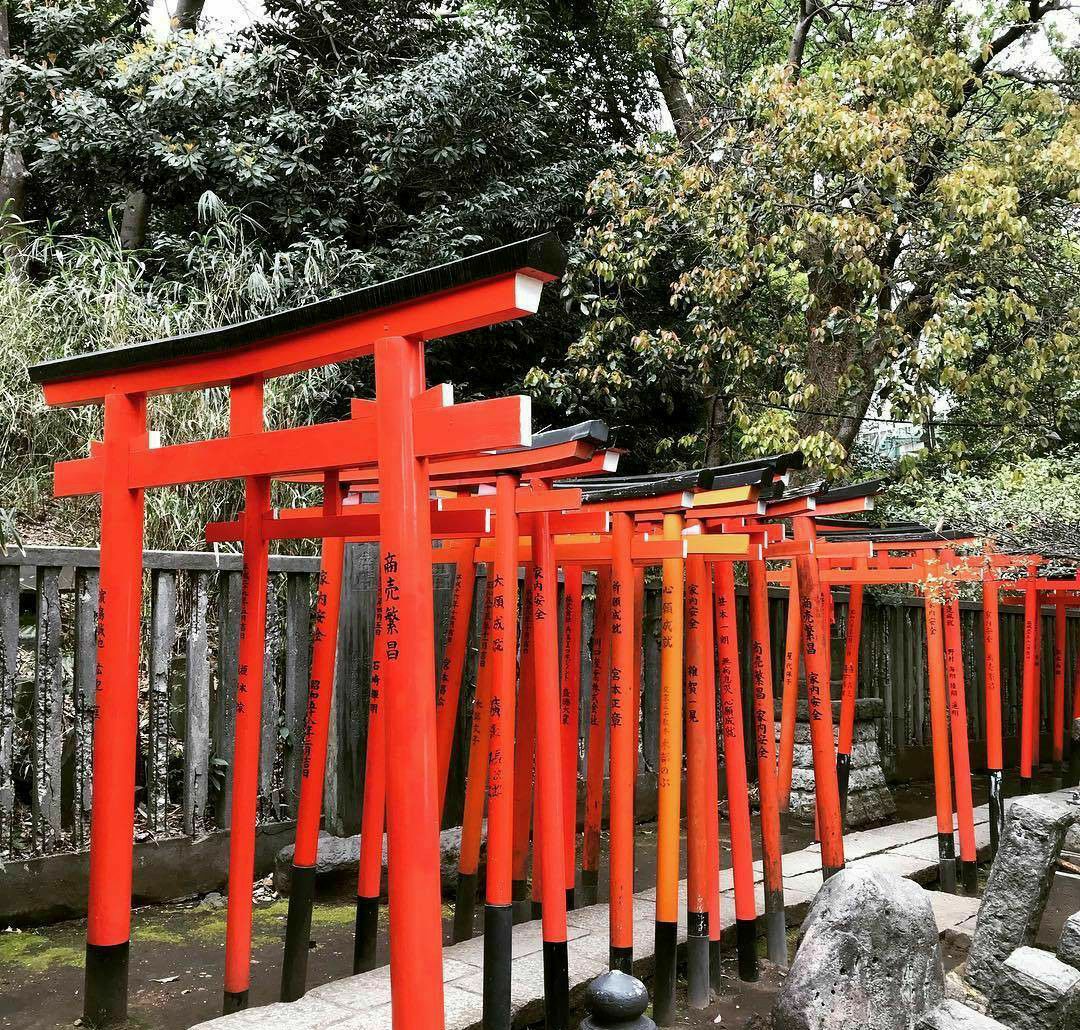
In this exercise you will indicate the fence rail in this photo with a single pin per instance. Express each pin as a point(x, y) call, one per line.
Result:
point(48, 605)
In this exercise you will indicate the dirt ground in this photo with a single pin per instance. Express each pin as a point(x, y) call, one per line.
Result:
point(178, 950)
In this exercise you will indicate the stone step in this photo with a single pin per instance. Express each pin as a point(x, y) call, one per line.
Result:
point(363, 1002)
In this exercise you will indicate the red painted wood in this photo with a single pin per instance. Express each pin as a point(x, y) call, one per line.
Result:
point(442, 314)
point(501, 749)
point(622, 758)
point(320, 691)
point(246, 416)
point(569, 711)
point(452, 668)
point(116, 719)
point(958, 729)
point(412, 795)
point(598, 719)
point(731, 730)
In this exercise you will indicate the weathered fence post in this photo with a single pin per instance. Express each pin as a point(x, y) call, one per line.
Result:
point(47, 727)
point(85, 693)
point(229, 588)
point(162, 643)
point(197, 709)
point(9, 664)
point(271, 702)
point(297, 661)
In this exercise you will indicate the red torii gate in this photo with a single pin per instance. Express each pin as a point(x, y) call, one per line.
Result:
point(465, 519)
point(405, 427)
point(904, 554)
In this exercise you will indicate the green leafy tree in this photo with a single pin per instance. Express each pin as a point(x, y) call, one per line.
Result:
point(884, 215)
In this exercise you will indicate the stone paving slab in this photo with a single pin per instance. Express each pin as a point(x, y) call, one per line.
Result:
point(362, 1002)
point(952, 911)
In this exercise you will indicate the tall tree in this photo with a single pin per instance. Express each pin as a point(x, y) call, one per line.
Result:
point(879, 225)
point(12, 162)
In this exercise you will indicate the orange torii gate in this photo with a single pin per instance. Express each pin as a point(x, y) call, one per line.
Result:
point(710, 622)
point(462, 519)
point(774, 545)
point(687, 601)
point(637, 504)
point(906, 554)
point(399, 434)
point(1063, 592)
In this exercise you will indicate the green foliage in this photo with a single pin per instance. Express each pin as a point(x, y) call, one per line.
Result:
point(886, 215)
point(415, 132)
point(94, 296)
point(896, 223)
point(1029, 506)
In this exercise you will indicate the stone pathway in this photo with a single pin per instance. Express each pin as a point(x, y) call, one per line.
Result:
point(363, 1002)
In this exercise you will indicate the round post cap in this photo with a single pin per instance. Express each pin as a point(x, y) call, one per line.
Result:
point(616, 1001)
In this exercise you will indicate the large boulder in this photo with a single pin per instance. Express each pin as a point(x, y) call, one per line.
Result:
point(1019, 884)
point(869, 957)
point(1069, 942)
point(339, 860)
point(952, 1015)
point(1036, 991)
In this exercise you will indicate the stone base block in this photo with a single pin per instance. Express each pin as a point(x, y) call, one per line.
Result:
point(1036, 991)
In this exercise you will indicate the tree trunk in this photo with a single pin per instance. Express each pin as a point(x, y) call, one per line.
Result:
point(670, 78)
point(12, 164)
point(187, 14)
point(136, 216)
point(717, 429)
point(138, 203)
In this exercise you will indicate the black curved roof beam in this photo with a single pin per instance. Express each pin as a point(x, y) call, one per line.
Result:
point(825, 522)
point(593, 431)
point(543, 254)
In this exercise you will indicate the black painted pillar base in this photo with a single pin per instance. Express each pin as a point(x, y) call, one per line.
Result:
point(367, 934)
point(997, 810)
point(843, 775)
point(969, 876)
point(522, 903)
point(234, 1001)
point(105, 1000)
point(298, 933)
point(1074, 752)
point(698, 987)
point(776, 928)
point(666, 963)
point(465, 907)
point(715, 977)
point(569, 899)
point(947, 862)
point(621, 960)
point(746, 949)
point(498, 933)
point(556, 986)
point(536, 910)
point(589, 890)
point(829, 871)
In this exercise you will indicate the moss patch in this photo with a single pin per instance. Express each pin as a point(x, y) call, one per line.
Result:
point(334, 915)
point(37, 954)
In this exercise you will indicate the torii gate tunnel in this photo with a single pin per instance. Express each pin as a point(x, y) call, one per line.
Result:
point(405, 427)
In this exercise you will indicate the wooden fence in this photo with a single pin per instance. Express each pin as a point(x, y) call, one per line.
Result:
point(48, 600)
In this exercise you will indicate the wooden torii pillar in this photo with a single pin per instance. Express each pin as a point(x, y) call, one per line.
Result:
point(463, 515)
point(907, 554)
point(405, 428)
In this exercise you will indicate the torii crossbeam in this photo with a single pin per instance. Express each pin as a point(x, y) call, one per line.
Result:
point(398, 434)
